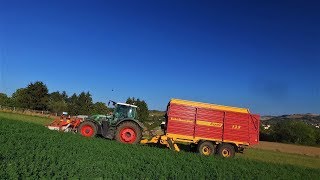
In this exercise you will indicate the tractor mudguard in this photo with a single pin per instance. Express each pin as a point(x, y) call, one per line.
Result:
point(102, 127)
point(136, 121)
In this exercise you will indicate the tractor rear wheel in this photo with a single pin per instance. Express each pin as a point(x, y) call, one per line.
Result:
point(206, 148)
point(87, 129)
point(226, 150)
point(129, 133)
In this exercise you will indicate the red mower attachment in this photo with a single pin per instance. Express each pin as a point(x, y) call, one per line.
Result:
point(65, 124)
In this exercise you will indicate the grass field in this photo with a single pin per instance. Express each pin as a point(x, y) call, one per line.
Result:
point(29, 150)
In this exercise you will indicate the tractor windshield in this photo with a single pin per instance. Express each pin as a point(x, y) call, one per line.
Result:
point(123, 111)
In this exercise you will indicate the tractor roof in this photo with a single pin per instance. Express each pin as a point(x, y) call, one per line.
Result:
point(127, 105)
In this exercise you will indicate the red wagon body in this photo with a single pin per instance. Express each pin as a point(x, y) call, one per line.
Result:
point(196, 121)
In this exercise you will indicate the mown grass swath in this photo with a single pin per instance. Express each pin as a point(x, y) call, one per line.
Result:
point(281, 158)
point(30, 150)
point(26, 118)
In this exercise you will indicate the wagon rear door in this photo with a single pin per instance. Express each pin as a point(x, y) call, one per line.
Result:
point(254, 127)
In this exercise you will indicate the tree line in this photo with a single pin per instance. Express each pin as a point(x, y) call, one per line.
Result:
point(291, 131)
point(36, 96)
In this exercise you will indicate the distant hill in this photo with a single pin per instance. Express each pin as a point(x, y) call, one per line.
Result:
point(155, 119)
point(312, 119)
point(156, 113)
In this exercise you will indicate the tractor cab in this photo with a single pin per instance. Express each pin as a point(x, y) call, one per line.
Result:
point(124, 111)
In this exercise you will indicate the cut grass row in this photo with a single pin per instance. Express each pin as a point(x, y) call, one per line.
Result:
point(281, 158)
point(31, 151)
point(40, 120)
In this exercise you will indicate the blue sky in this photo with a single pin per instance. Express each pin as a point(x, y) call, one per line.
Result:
point(264, 55)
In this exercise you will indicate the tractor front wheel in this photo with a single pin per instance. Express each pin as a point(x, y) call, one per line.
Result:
point(129, 133)
point(87, 129)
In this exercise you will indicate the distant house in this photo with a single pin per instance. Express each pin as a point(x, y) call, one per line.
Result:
point(267, 126)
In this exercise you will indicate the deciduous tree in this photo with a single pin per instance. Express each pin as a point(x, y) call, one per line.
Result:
point(4, 100)
point(143, 111)
point(100, 108)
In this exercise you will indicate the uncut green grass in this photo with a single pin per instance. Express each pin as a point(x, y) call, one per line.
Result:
point(257, 154)
point(31, 151)
point(254, 154)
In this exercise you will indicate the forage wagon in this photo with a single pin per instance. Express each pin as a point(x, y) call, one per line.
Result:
point(211, 128)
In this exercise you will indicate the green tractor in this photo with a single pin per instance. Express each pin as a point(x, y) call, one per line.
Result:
point(122, 125)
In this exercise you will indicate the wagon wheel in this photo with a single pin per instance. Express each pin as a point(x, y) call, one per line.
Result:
point(226, 150)
point(206, 148)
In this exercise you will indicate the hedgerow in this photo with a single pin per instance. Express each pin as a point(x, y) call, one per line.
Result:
point(32, 151)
